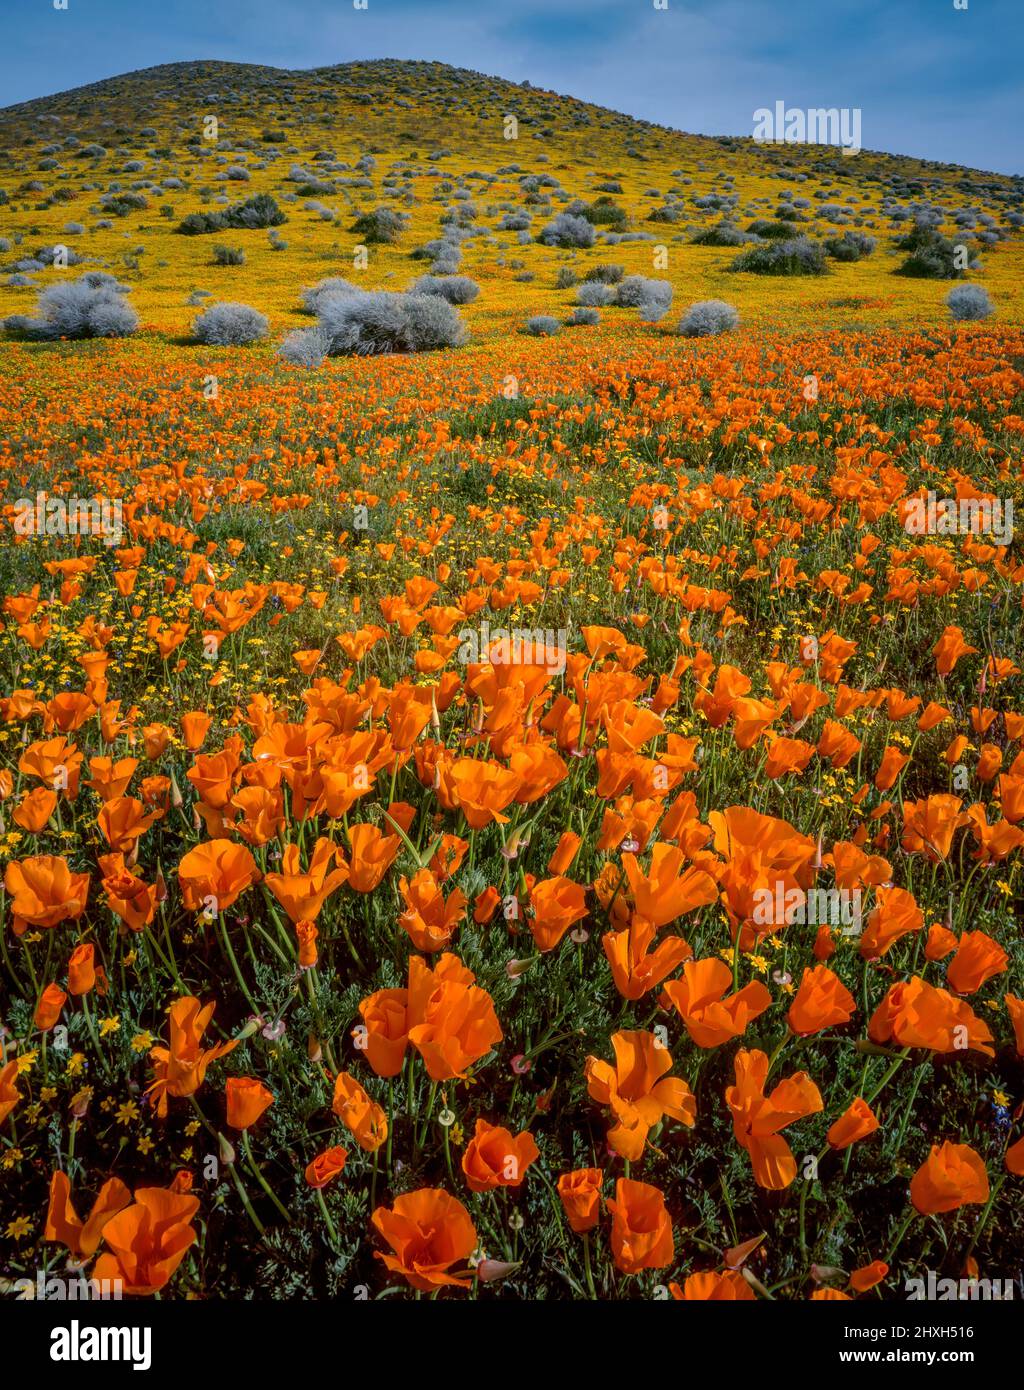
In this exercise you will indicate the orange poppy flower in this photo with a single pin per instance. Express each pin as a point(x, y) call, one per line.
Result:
point(82, 970)
point(430, 918)
point(667, 890)
point(148, 1240)
point(635, 968)
point(373, 853)
point(631, 1089)
point(868, 1276)
point(757, 1118)
point(939, 942)
point(930, 824)
point(359, 1113)
point(302, 895)
point(215, 874)
point(44, 892)
point(892, 764)
point(580, 1194)
point(481, 790)
point(727, 1286)
point(895, 914)
point(180, 1068)
point(494, 1157)
point(978, 958)
point(856, 1122)
point(822, 1001)
point(246, 1101)
point(128, 897)
point(194, 728)
point(952, 1176)
point(326, 1166)
point(1015, 1008)
point(9, 1093)
point(452, 1022)
point(48, 1010)
point(787, 755)
point(34, 810)
point(699, 996)
point(917, 1014)
point(429, 1231)
point(949, 649)
point(641, 1234)
point(123, 821)
point(384, 1032)
point(564, 852)
point(64, 1225)
point(555, 903)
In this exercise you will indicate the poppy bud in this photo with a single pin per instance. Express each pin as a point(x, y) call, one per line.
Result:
point(515, 968)
point(490, 1271)
point(225, 1150)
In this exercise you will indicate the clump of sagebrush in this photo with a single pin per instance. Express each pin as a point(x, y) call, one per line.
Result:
point(258, 211)
point(652, 297)
point(593, 293)
point(567, 230)
point(851, 246)
point(229, 325)
point(457, 289)
point(707, 318)
point(602, 213)
point(606, 274)
point(566, 278)
point(933, 256)
point(382, 226)
point(542, 326)
point(93, 306)
point(969, 302)
point(371, 322)
point(583, 318)
point(797, 256)
point(228, 255)
point(306, 347)
point(333, 284)
point(767, 230)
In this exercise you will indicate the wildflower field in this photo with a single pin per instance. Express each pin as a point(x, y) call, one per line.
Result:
point(527, 819)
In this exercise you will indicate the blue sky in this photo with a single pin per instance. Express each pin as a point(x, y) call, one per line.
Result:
point(930, 80)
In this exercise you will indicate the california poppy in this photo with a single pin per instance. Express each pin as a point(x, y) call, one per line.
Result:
point(428, 1231)
point(372, 855)
point(180, 1068)
point(63, 1223)
point(637, 1091)
point(857, 1121)
point(359, 1113)
point(726, 1286)
point(494, 1157)
point(952, 1176)
point(580, 1194)
point(44, 892)
point(326, 1166)
point(641, 1234)
point(148, 1240)
point(635, 967)
point(48, 1009)
point(757, 1118)
point(246, 1100)
point(9, 1093)
point(711, 1017)
point(822, 1001)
